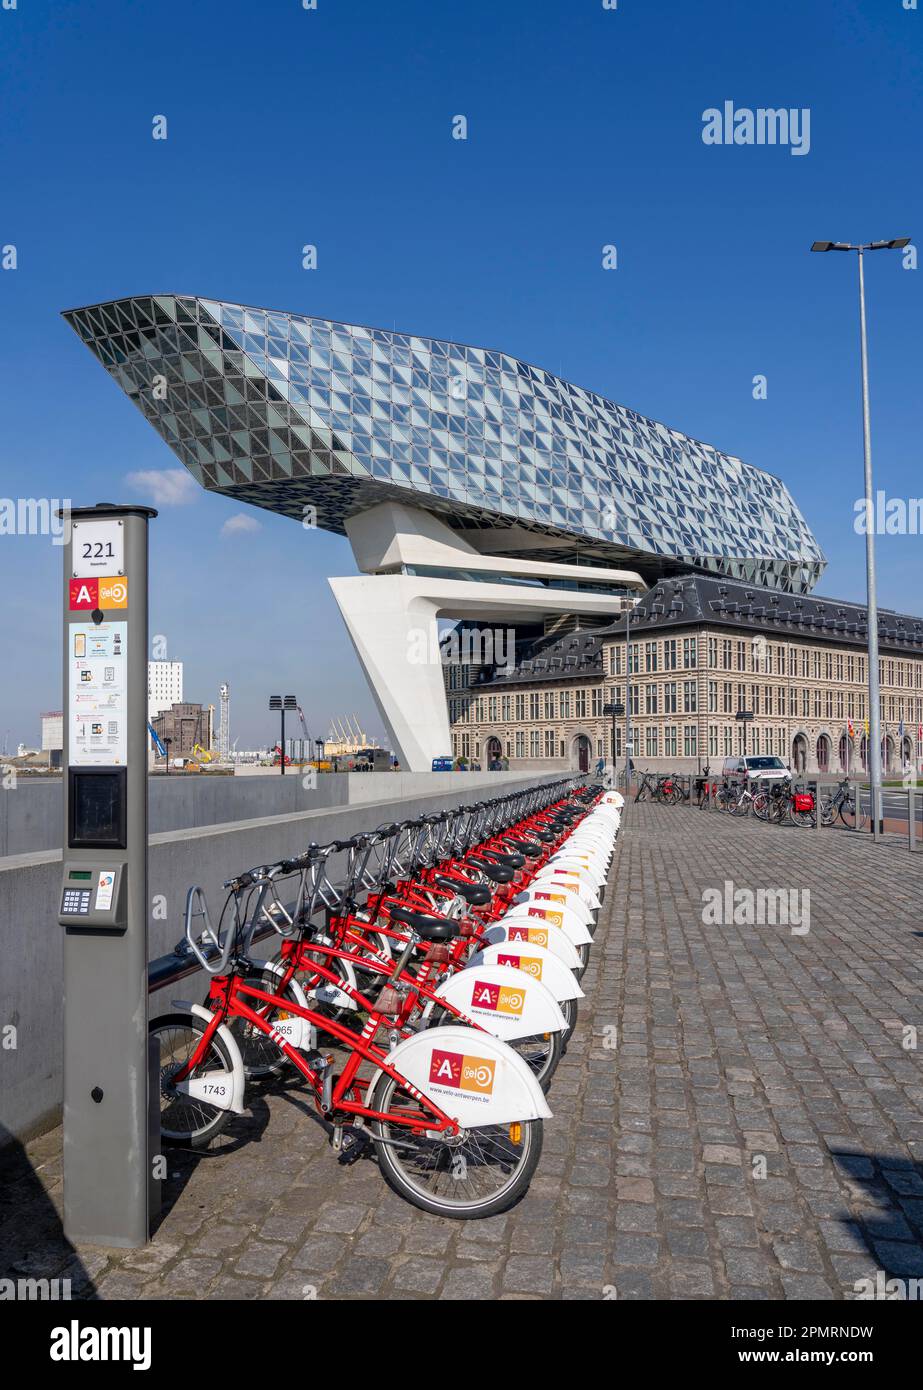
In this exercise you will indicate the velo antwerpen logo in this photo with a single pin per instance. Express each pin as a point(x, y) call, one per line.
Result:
point(98, 593)
point(499, 999)
point(461, 1072)
point(535, 936)
point(546, 915)
point(529, 965)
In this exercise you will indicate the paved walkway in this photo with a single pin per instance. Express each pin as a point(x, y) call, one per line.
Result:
point(737, 1115)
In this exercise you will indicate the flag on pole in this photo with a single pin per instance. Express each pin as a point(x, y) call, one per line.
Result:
point(850, 730)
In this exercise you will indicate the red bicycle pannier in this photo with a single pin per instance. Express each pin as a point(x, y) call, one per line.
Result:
point(804, 801)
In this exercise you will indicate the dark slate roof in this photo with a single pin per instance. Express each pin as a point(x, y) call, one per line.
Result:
point(574, 656)
point(694, 599)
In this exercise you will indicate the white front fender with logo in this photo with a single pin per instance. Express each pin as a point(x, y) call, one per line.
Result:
point(222, 1089)
point(582, 887)
point(472, 1076)
point(571, 909)
point(524, 934)
point(590, 873)
point(505, 1002)
point(536, 961)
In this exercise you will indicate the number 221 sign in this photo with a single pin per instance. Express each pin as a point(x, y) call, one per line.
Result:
point(98, 548)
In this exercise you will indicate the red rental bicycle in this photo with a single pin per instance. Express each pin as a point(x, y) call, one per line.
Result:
point(454, 1115)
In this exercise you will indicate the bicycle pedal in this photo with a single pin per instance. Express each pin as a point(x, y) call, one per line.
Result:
point(353, 1145)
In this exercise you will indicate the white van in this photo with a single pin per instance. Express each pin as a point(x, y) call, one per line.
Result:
point(755, 767)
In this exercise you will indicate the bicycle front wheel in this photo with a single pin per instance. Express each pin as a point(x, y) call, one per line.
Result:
point(183, 1119)
point(480, 1173)
point(850, 815)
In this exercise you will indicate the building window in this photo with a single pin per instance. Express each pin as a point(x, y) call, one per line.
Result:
point(726, 653)
point(713, 740)
point(650, 699)
point(565, 704)
point(549, 704)
point(713, 698)
point(690, 653)
point(520, 743)
point(580, 702)
point(549, 743)
point(650, 656)
point(689, 741)
point(712, 653)
point(689, 697)
point(669, 654)
point(669, 741)
point(534, 705)
point(741, 656)
point(650, 741)
point(520, 708)
point(597, 701)
point(534, 743)
point(669, 698)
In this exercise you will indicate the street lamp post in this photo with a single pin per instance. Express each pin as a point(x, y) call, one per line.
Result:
point(616, 711)
point(874, 752)
point(744, 716)
point(282, 703)
point(627, 695)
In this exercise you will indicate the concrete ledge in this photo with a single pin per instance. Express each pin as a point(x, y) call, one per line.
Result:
point(31, 814)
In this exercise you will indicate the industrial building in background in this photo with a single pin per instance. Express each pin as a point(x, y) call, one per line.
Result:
point(164, 686)
point(472, 486)
point(186, 731)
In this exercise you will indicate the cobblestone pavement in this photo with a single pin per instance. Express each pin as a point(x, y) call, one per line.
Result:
point(737, 1116)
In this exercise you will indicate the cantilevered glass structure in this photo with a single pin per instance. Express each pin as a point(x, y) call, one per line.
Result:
point(286, 411)
point(471, 485)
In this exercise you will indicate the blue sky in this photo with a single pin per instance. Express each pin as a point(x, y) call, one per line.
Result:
point(333, 127)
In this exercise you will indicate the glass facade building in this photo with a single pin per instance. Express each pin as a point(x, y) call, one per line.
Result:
point(290, 412)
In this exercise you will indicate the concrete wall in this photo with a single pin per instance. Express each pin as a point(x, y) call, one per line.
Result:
point(31, 813)
point(31, 983)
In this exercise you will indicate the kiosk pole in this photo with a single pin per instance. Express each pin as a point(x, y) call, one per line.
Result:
point(104, 897)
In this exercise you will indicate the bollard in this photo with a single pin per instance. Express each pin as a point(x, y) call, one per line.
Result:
point(912, 821)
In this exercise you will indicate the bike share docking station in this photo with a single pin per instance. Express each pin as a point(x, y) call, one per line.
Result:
point(110, 1142)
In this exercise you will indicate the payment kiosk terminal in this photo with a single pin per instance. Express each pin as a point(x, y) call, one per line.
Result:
point(111, 1130)
point(92, 892)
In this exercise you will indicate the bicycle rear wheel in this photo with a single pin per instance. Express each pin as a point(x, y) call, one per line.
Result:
point(183, 1119)
point(480, 1173)
point(852, 813)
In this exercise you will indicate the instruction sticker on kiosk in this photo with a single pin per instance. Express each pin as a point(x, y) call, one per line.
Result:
point(105, 885)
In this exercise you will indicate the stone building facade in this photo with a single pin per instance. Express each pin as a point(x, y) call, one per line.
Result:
point(701, 649)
